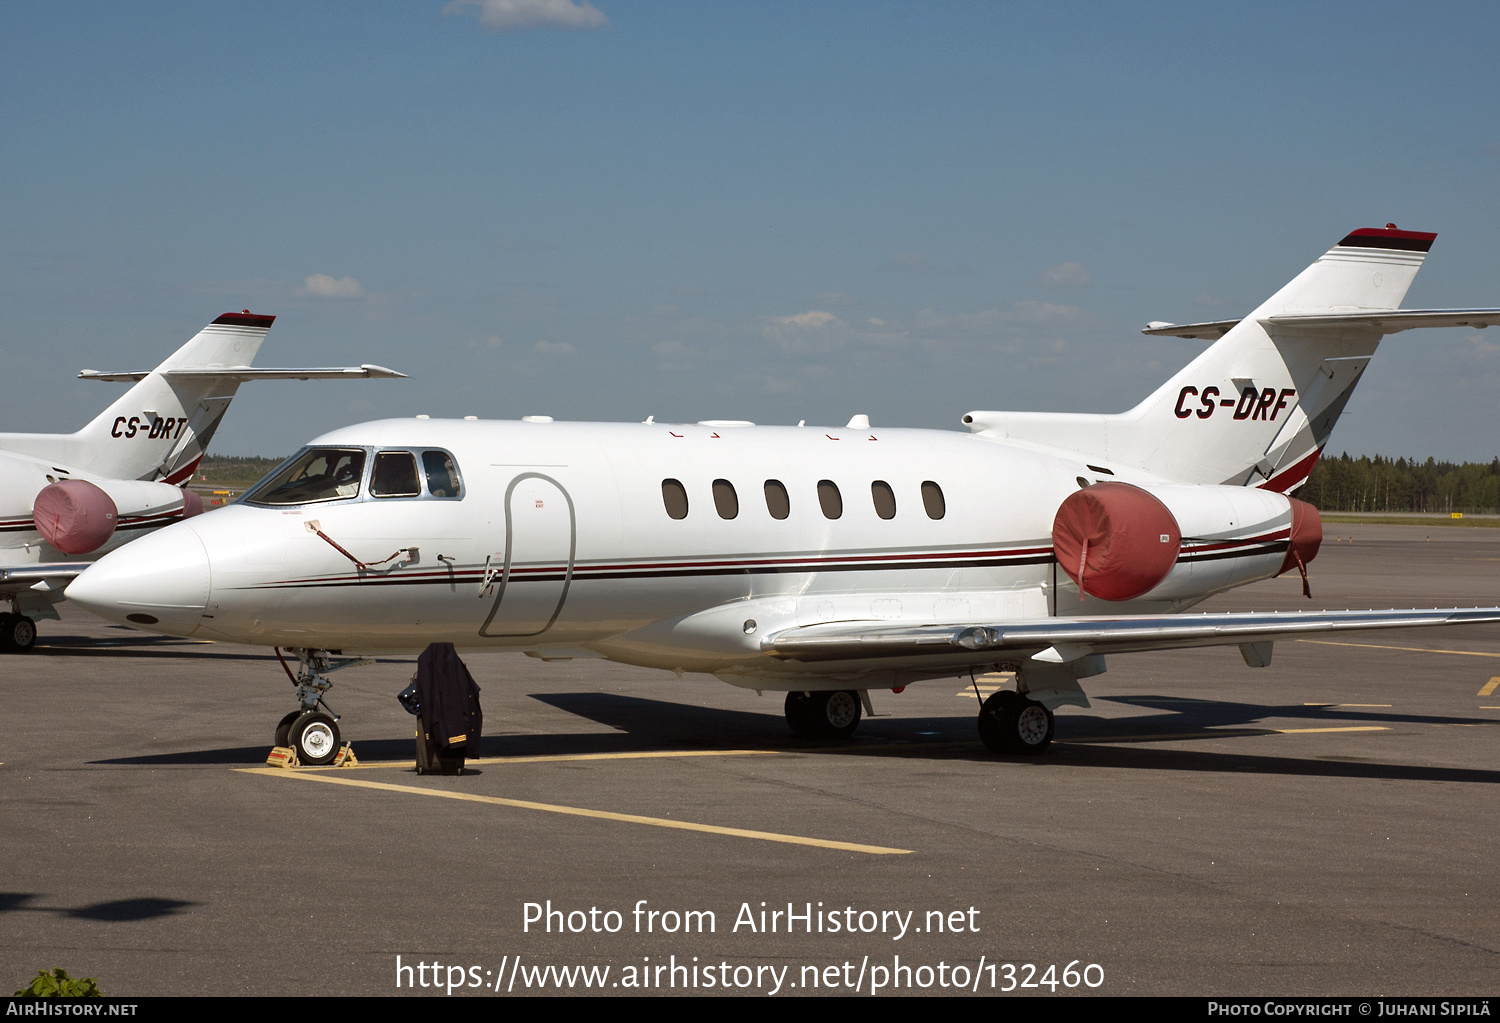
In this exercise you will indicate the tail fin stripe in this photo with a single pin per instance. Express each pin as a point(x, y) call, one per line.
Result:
point(1388, 238)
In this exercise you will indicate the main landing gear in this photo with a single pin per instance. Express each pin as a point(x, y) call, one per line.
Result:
point(1012, 723)
point(823, 714)
point(313, 729)
point(17, 633)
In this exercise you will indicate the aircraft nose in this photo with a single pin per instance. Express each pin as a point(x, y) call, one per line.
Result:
point(159, 582)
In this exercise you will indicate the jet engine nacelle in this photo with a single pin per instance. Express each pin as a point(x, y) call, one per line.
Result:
point(1119, 541)
point(80, 516)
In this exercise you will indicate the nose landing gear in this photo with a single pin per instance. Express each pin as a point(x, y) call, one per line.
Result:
point(313, 730)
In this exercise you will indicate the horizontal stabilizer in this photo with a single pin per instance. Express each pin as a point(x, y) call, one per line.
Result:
point(1084, 636)
point(1212, 330)
point(241, 373)
point(1389, 322)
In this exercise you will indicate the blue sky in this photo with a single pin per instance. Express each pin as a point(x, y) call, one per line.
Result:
point(712, 210)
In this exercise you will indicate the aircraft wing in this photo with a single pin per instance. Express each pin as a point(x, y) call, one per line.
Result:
point(25, 577)
point(1061, 640)
point(366, 371)
point(1390, 322)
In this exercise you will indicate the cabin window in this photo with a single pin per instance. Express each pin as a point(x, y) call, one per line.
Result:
point(395, 475)
point(830, 499)
point(317, 474)
point(932, 500)
point(674, 497)
point(884, 498)
point(442, 474)
point(777, 503)
point(726, 501)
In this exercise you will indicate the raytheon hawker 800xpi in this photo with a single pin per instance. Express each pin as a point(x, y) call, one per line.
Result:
point(822, 563)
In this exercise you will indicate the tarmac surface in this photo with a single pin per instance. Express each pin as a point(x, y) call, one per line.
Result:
point(1326, 825)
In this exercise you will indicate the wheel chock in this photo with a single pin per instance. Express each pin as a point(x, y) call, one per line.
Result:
point(345, 756)
point(283, 756)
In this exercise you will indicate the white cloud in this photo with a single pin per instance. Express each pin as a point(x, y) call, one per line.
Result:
point(1065, 275)
point(555, 348)
point(325, 286)
point(813, 318)
point(818, 331)
point(525, 15)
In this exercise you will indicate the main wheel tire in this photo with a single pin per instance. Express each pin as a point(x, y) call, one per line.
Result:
point(1012, 723)
point(315, 737)
point(799, 715)
point(823, 714)
point(17, 633)
point(992, 715)
point(1028, 728)
point(841, 712)
point(284, 727)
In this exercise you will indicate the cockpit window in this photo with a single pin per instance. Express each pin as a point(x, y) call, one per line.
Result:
point(442, 474)
point(395, 475)
point(318, 474)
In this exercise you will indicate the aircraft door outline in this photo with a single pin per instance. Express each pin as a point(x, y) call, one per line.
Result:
point(510, 536)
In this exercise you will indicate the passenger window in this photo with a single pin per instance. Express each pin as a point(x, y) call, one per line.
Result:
point(725, 499)
point(932, 500)
point(442, 474)
point(318, 474)
point(674, 497)
point(830, 499)
point(884, 498)
point(395, 475)
point(777, 503)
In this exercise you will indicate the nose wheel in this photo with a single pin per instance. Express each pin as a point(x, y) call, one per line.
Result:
point(314, 734)
point(1012, 723)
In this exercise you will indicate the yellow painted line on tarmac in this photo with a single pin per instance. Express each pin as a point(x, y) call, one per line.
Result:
point(1489, 687)
point(563, 757)
point(1346, 705)
point(578, 811)
point(1349, 728)
point(1228, 733)
point(1414, 649)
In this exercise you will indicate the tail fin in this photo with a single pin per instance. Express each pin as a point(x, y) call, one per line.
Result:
point(158, 429)
point(1256, 407)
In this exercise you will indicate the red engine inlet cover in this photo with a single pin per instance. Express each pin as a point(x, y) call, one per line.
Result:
point(1307, 536)
point(192, 503)
point(74, 516)
point(1115, 541)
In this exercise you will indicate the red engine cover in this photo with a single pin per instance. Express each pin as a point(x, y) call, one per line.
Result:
point(192, 503)
point(1115, 541)
point(74, 516)
point(1307, 536)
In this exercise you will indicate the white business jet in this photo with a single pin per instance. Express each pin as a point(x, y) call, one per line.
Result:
point(822, 563)
point(73, 496)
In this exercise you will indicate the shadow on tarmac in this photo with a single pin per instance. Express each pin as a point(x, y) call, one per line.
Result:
point(118, 911)
point(644, 725)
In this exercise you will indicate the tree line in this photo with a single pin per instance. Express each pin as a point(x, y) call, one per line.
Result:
point(1381, 484)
